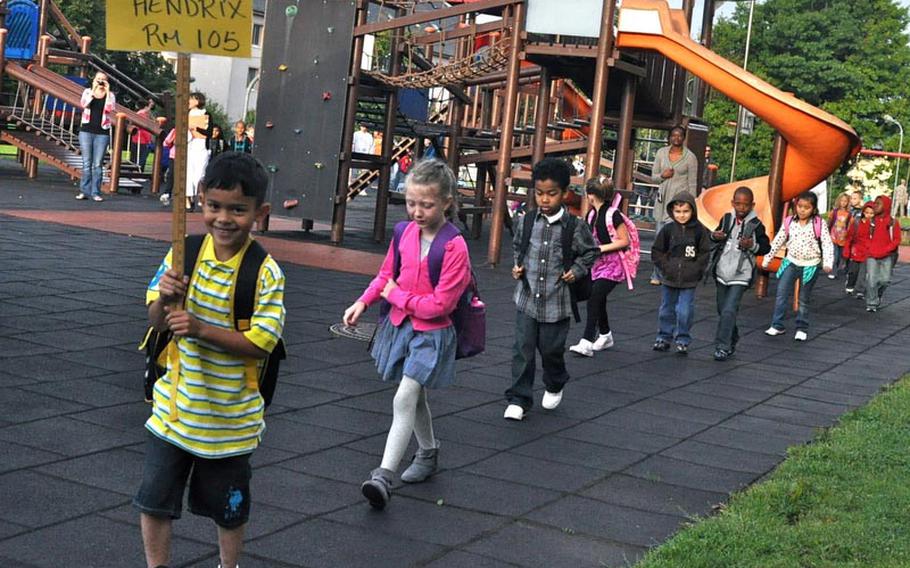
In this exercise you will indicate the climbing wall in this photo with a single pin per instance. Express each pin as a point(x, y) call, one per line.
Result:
point(300, 109)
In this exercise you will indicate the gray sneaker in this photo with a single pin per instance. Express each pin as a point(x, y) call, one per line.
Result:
point(378, 488)
point(424, 464)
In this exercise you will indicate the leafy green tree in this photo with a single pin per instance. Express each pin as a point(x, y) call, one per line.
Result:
point(849, 58)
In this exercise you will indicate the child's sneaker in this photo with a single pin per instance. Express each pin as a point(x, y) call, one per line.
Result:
point(832, 276)
point(800, 336)
point(378, 488)
point(603, 341)
point(660, 345)
point(584, 348)
point(682, 349)
point(772, 331)
point(721, 354)
point(859, 296)
point(849, 291)
point(551, 400)
point(81, 196)
point(514, 412)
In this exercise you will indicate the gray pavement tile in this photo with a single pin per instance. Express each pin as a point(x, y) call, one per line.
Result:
point(485, 435)
point(478, 493)
point(851, 400)
point(792, 416)
point(437, 524)
point(109, 358)
point(302, 438)
point(37, 500)
point(616, 437)
point(746, 440)
point(458, 559)
point(34, 323)
point(576, 452)
point(452, 455)
point(734, 392)
point(685, 474)
point(699, 400)
point(340, 545)
point(63, 435)
point(265, 456)
point(650, 423)
point(537, 471)
point(294, 491)
point(356, 379)
point(108, 544)
point(825, 383)
point(297, 397)
point(95, 470)
point(48, 368)
point(8, 529)
point(762, 426)
point(341, 418)
point(19, 405)
point(722, 457)
point(659, 407)
point(654, 496)
point(10, 309)
point(549, 420)
point(612, 522)
point(21, 347)
point(47, 304)
point(93, 317)
point(340, 463)
point(17, 456)
point(759, 383)
point(87, 392)
point(128, 418)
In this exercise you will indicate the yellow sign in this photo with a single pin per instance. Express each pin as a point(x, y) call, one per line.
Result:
point(216, 27)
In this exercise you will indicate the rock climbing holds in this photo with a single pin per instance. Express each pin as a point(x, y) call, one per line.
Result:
point(269, 124)
point(326, 96)
point(319, 165)
point(290, 11)
point(330, 30)
point(282, 67)
point(272, 168)
point(291, 203)
point(298, 130)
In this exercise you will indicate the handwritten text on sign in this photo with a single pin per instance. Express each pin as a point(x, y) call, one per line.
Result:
point(216, 27)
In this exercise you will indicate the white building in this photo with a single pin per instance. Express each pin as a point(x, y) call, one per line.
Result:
point(224, 80)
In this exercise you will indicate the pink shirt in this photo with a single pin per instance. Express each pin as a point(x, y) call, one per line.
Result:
point(415, 297)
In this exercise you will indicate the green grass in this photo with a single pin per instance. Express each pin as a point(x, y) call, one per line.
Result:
point(7, 150)
point(844, 500)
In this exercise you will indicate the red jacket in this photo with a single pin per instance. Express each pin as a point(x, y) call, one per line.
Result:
point(883, 235)
point(855, 249)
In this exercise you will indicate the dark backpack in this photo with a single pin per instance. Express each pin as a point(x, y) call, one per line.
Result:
point(470, 316)
point(726, 225)
point(155, 342)
point(580, 290)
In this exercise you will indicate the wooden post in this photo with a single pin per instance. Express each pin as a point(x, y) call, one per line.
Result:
point(380, 217)
point(159, 149)
point(117, 151)
point(507, 132)
point(83, 48)
point(42, 18)
point(707, 31)
point(456, 117)
point(480, 189)
point(3, 33)
point(599, 98)
point(347, 137)
point(775, 190)
point(178, 192)
point(542, 117)
point(622, 162)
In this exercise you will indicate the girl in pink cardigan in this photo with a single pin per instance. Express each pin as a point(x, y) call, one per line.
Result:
point(415, 344)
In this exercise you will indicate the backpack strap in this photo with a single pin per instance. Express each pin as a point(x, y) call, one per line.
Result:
point(246, 285)
point(568, 235)
point(438, 250)
point(396, 253)
point(192, 249)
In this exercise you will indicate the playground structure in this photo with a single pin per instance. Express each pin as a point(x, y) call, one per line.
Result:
point(502, 87)
point(44, 66)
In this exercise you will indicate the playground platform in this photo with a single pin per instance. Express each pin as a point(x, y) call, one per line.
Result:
point(642, 443)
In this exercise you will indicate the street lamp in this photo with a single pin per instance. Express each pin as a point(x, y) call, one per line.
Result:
point(900, 146)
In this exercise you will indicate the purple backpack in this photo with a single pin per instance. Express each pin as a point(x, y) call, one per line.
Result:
point(470, 315)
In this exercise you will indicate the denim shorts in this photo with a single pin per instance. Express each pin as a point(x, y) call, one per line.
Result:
point(219, 488)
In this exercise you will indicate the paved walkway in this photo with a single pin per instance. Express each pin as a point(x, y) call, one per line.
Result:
point(641, 443)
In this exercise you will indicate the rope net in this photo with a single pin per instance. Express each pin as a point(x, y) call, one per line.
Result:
point(482, 62)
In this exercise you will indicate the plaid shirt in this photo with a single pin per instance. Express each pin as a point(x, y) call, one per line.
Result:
point(540, 293)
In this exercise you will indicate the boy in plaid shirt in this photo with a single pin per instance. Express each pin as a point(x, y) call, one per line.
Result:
point(542, 292)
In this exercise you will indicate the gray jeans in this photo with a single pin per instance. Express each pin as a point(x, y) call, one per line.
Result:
point(878, 277)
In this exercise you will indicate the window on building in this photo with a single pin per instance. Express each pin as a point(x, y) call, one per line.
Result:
point(251, 74)
point(257, 35)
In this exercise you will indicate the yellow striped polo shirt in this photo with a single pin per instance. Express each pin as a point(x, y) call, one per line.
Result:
point(218, 415)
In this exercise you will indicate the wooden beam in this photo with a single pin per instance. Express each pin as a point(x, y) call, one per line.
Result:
point(432, 15)
point(460, 32)
point(525, 152)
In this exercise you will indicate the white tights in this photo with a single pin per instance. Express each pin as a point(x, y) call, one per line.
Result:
point(410, 413)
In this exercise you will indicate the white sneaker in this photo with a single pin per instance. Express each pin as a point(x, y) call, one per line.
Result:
point(603, 341)
point(772, 331)
point(514, 412)
point(832, 276)
point(800, 336)
point(584, 348)
point(551, 400)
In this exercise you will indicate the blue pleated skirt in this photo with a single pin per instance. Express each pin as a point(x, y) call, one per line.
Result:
point(428, 357)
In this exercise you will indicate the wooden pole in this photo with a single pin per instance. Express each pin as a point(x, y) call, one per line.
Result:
point(117, 151)
point(504, 164)
point(622, 162)
point(707, 31)
point(775, 190)
point(84, 47)
point(388, 142)
point(599, 100)
point(178, 192)
point(159, 149)
point(542, 117)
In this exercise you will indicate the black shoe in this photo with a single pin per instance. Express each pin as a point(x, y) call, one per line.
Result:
point(721, 354)
point(661, 345)
point(682, 349)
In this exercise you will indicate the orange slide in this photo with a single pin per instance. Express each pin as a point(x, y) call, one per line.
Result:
point(818, 142)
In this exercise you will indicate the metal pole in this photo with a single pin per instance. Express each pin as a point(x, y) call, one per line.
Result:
point(900, 150)
point(599, 98)
point(249, 91)
point(506, 137)
point(542, 117)
point(739, 108)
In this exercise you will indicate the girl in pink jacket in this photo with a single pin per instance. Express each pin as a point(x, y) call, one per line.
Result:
point(415, 344)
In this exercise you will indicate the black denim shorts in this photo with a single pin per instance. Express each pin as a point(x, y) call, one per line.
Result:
point(219, 488)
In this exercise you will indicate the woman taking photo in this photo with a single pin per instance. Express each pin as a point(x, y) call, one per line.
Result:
point(94, 135)
point(676, 170)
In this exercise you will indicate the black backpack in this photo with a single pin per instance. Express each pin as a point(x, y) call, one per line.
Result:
point(727, 224)
point(156, 342)
point(580, 290)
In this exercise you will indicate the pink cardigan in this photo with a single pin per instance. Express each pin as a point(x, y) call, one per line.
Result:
point(415, 296)
point(109, 103)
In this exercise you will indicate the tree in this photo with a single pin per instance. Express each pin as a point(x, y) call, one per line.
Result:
point(849, 58)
